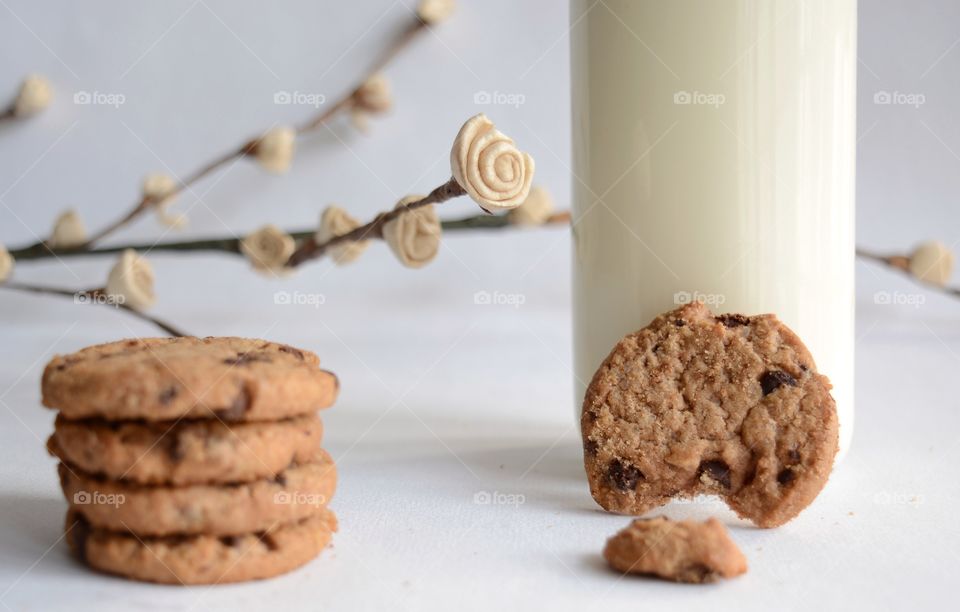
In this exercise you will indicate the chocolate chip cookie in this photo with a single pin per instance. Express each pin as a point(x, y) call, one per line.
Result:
point(694, 403)
point(223, 509)
point(201, 559)
point(157, 379)
point(683, 551)
point(187, 451)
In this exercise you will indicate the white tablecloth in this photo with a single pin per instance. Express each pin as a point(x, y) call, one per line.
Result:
point(461, 482)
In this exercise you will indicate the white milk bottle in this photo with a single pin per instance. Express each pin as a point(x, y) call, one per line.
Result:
point(714, 157)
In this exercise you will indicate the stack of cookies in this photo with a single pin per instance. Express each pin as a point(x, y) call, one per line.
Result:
point(193, 461)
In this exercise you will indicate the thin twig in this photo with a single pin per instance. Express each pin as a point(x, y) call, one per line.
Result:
point(146, 203)
point(311, 249)
point(399, 44)
point(902, 263)
point(231, 245)
point(220, 245)
point(94, 296)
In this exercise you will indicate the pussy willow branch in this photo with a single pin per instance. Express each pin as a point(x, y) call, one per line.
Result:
point(902, 263)
point(146, 203)
point(93, 296)
point(231, 246)
point(400, 42)
point(311, 249)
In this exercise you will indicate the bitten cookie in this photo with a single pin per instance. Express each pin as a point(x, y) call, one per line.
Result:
point(683, 551)
point(158, 379)
point(729, 405)
point(296, 493)
point(201, 559)
point(187, 451)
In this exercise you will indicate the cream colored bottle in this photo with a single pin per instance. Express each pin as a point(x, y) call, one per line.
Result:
point(714, 158)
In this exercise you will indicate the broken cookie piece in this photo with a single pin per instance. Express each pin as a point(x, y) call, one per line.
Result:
point(682, 551)
point(695, 404)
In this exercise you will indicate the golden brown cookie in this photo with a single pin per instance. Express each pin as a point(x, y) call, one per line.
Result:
point(186, 451)
point(728, 405)
point(201, 559)
point(683, 551)
point(157, 379)
point(225, 509)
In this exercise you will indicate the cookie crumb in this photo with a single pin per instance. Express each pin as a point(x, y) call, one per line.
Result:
point(681, 551)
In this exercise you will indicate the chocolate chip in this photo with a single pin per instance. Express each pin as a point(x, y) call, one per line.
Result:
point(244, 358)
point(167, 395)
point(231, 541)
point(786, 476)
point(679, 322)
point(268, 540)
point(718, 471)
point(238, 408)
point(734, 320)
point(590, 447)
point(283, 348)
point(774, 379)
point(624, 476)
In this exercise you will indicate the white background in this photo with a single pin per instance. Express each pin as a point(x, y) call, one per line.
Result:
point(444, 399)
